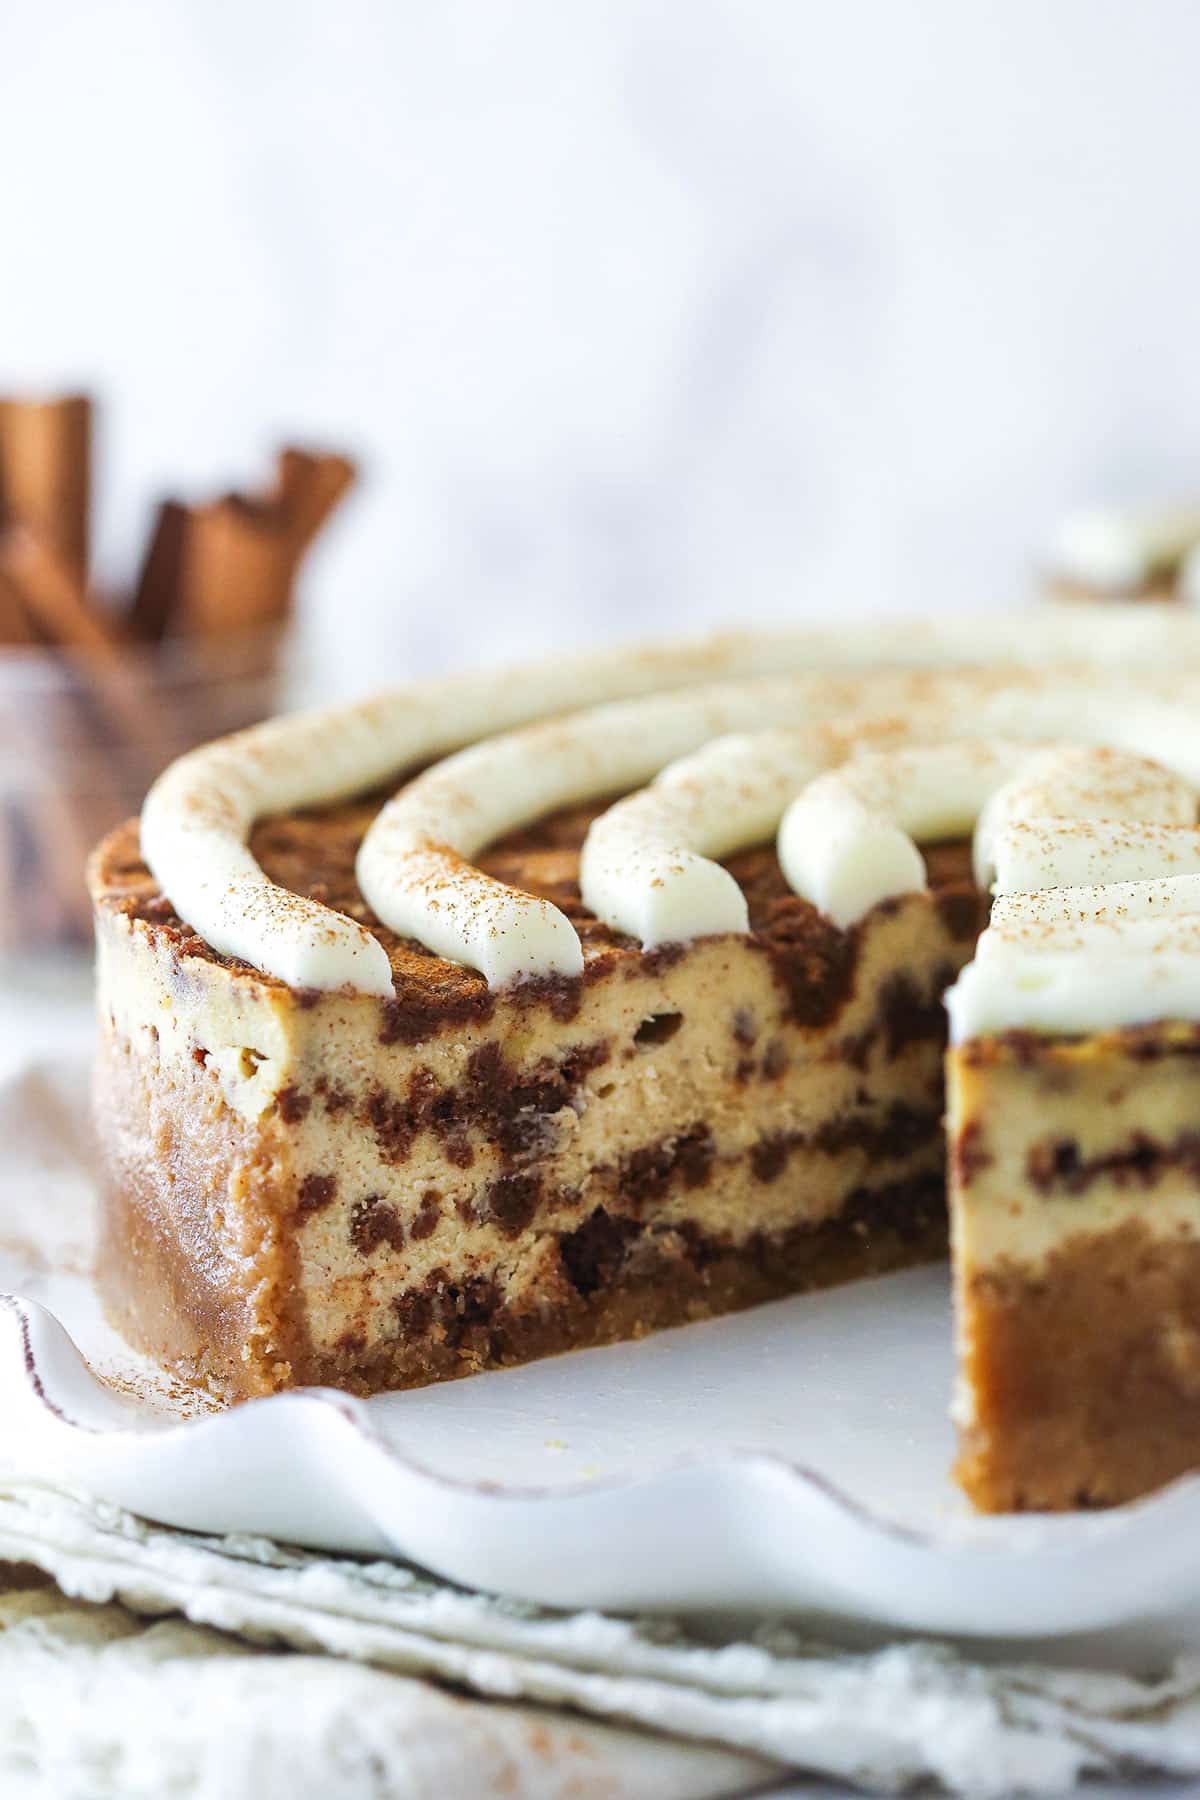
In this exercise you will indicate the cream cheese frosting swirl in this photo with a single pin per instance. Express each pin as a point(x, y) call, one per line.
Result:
point(848, 841)
point(1095, 854)
point(415, 866)
point(647, 866)
point(848, 838)
point(198, 815)
point(1097, 918)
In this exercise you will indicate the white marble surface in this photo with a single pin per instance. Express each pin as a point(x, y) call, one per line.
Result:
point(639, 310)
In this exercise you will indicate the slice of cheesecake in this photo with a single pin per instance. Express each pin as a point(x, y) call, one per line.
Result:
point(1076, 1190)
point(1074, 1139)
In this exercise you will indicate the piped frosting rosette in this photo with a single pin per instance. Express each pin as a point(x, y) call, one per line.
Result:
point(1078, 783)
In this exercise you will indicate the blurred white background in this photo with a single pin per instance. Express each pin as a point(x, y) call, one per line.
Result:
point(639, 314)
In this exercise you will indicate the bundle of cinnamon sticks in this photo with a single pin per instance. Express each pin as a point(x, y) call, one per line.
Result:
point(98, 691)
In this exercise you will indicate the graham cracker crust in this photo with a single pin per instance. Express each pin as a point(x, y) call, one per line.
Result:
point(1086, 1375)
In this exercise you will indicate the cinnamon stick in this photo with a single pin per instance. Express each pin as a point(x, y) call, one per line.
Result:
point(156, 598)
point(236, 569)
point(16, 626)
point(53, 596)
point(45, 472)
point(121, 698)
point(310, 486)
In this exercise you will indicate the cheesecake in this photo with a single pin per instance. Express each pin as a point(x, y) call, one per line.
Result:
point(501, 1016)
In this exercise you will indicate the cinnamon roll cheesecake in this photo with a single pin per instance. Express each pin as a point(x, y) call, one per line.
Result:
point(503, 1015)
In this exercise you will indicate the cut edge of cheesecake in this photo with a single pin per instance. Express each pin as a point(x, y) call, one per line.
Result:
point(1074, 1163)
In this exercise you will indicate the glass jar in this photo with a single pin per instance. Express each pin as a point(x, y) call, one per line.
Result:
point(80, 743)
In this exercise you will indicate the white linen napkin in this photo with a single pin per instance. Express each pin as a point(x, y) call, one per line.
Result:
point(99, 1703)
point(884, 1718)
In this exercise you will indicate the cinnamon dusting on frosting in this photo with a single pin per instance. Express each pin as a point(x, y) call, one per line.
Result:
point(653, 872)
